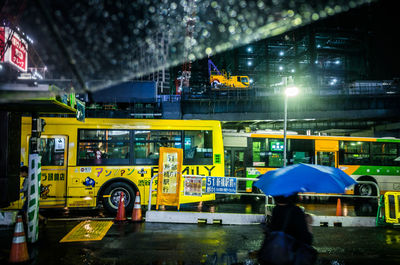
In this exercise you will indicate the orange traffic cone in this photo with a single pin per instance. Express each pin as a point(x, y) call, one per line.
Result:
point(121, 209)
point(137, 209)
point(19, 249)
point(339, 208)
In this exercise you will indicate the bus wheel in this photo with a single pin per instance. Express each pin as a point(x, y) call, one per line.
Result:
point(365, 189)
point(112, 196)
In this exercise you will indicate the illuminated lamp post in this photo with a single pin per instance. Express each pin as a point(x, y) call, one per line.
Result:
point(290, 91)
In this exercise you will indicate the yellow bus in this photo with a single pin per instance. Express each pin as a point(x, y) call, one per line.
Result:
point(364, 159)
point(91, 163)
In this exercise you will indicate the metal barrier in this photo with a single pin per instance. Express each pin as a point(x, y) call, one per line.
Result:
point(349, 195)
point(207, 217)
point(243, 219)
point(151, 191)
point(203, 177)
point(392, 213)
point(267, 198)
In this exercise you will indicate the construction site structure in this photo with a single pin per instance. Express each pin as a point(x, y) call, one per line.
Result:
point(221, 80)
point(182, 81)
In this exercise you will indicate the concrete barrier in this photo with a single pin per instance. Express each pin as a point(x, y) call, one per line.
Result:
point(209, 218)
point(246, 219)
point(343, 221)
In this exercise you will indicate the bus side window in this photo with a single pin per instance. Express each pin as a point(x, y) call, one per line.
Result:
point(355, 153)
point(103, 147)
point(147, 144)
point(385, 154)
point(52, 151)
point(198, 148)
point(265, 152)
point(301, 151)
point(274, 152)
point(144, 148)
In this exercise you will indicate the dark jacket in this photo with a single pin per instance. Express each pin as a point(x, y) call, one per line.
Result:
point(296, 226)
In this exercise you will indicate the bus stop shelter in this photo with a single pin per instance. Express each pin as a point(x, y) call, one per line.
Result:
point(17, 100)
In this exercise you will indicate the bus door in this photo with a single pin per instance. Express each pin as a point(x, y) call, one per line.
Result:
point(326, 152)
point(238, 163)
point(234, 162)
point(53, 150)
point(234, 165)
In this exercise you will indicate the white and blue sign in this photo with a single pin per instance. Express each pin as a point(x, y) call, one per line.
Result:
point(220, 185)
point(276, 146)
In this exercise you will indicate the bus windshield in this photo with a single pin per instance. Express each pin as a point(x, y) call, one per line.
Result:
point(245, 80)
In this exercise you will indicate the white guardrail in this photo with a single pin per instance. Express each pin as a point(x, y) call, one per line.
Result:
point(268, 198)
point(204, 177)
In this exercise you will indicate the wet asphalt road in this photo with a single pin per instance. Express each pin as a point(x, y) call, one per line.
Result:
point(152, 243)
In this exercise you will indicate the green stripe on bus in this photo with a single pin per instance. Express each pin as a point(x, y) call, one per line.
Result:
point(377, 170)
point(388, 140)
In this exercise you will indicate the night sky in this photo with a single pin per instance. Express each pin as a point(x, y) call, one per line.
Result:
point(381, 20)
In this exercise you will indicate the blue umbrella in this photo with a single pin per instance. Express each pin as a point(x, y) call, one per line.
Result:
point(304, 178)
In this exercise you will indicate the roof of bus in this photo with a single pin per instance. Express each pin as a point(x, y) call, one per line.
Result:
point(365, 139)
point(131, 122)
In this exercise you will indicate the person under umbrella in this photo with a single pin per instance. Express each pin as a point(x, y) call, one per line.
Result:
point(290, 219)
point(289, 238)
point(298, 224)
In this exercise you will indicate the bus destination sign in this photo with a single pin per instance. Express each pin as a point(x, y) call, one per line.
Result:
point(220, 185)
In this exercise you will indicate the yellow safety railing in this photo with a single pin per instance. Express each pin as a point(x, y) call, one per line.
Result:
point(392, 213)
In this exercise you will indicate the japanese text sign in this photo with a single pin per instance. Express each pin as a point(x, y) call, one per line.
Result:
point(169, 176)
point(17, 53)
point(220, 185)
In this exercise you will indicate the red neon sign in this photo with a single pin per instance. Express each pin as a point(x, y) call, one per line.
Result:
point(17, 53)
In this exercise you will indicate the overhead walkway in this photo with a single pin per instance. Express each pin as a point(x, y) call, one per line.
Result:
point(307, 107)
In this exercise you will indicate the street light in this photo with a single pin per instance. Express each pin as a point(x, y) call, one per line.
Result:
point(290, 91)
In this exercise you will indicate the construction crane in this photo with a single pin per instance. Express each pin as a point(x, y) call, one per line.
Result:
point(184, 79)
point(224, 81)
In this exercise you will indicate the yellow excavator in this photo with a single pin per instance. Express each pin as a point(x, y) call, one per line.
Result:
point(224, 81)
